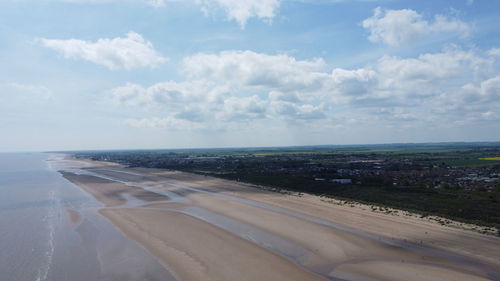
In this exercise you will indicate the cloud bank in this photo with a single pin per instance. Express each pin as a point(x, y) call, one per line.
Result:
point(245, 87)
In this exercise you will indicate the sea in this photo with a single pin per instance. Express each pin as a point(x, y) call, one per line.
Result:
point(38, 241)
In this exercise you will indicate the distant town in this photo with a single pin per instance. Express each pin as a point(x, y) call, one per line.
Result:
point(456, 180)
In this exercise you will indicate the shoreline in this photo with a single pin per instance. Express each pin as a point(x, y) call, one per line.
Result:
point(149, 221)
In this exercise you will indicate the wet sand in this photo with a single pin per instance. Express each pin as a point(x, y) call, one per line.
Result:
point(111, 193)
point(203, 228)
point(196, 250)
point(74, 217)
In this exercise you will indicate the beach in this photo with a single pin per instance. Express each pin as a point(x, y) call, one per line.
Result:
point(205, 228)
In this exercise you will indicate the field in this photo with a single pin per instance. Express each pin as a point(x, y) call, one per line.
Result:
point(491, 158)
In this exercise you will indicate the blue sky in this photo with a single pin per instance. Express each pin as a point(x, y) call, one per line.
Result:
point(109, 74)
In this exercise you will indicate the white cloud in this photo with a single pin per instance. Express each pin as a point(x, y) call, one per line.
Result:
point(172, 94)
point(396, 27)
point(129, 52)
point(351, 82)
point(193, 101)
point(495, 52)
point(470, 103)
point(242, 108)
point(237, 87)
point(247, 68)
point(294, 112)
point(292, 80)
point(242, 10)
point(290, 89)
point(490, 89)
point(428, 74)
point(489, 115)
point(167, 122)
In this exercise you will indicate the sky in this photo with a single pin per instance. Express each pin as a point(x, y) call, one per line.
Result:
point(149, 74)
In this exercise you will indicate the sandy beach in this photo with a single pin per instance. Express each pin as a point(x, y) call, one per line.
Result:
point(204, 228)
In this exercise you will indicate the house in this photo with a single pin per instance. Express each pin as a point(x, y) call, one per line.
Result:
point(342, 181)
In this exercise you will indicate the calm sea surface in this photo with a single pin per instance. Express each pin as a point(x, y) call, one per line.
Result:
point(37, 240)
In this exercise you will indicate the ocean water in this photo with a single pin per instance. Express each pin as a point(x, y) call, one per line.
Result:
point(37, 240)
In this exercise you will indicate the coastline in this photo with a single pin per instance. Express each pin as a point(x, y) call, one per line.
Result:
point(329, 252)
